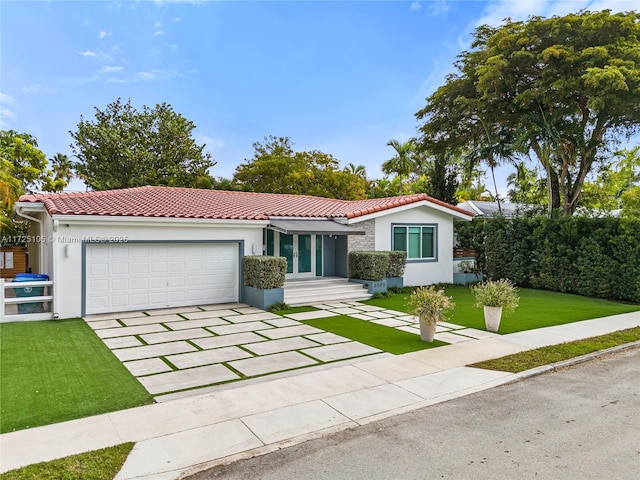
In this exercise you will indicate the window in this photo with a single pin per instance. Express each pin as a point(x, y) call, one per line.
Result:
point(419, 241)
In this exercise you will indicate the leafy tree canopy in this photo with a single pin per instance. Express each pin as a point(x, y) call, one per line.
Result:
point(24, 169)
point(123, 147)
point(276, 168)
point(563, 89)
point(605, 192)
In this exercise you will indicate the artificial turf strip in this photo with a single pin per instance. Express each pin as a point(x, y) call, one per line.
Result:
point(291, 310)
point(54, 371)
point(101, 464)
point(519, 362)
point(388, 339)
point(537, 309)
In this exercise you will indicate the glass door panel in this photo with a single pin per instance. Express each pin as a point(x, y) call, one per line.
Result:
point(286, 250)
point(304, 253)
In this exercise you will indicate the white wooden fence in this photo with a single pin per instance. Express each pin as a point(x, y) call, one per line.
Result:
point(10, 303)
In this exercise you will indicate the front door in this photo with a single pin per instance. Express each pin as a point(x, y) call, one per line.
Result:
point(299, 250)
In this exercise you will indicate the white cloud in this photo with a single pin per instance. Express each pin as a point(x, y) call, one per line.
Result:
point(108, 69)
point(438, 7)
point(159, 32)
point(144, 76)
point(35, 88)
point(210, 142)
point(103, 34)
point(4, 98)
point(415, 6)
point(87, 54)
point(192, 2)
point(497, 10)
point(155, 75)
point(5, 113)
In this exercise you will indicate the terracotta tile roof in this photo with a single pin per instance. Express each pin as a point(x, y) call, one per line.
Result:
point(151, 201)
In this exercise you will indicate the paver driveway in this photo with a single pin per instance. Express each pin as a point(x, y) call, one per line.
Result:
point(176, 352)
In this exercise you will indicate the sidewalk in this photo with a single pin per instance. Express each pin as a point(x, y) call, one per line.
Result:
point(189, 434)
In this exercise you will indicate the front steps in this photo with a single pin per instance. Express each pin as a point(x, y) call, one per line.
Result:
point(322, 290)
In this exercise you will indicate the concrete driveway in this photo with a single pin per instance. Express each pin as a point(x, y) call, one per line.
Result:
point(192, 350)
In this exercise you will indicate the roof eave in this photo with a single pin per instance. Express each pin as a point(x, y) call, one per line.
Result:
point(454, 212)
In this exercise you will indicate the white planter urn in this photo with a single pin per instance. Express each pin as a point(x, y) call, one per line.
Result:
point(427, 331)
point(492, 316)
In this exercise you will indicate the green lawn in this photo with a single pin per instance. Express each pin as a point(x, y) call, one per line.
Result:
point(519, 362)
point(60, 370)
point(101, 464)
point(387, 339)
point(538, 308)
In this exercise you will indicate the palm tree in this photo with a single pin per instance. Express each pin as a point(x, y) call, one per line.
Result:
point(62, 167)
point(494, 148)
point(358, 170)
point(403, 162)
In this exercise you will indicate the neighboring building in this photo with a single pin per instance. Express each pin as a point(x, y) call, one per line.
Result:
point(490, 209)
point(156, 247)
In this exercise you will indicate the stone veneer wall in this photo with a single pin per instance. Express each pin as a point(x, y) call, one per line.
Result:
point(366, 241)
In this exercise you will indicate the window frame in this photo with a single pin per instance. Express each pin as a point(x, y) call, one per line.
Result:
point(433, 226)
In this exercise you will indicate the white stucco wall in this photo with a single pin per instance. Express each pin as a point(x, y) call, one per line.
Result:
point(67, 241)
point(421, 272)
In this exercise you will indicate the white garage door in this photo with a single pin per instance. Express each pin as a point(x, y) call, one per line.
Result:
point(127, 277)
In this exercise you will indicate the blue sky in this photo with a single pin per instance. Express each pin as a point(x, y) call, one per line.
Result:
point(343, 77)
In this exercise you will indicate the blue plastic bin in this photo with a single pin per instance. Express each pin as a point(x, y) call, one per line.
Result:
point(30, 292)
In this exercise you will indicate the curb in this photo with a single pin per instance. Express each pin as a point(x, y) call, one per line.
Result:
point(553, 367)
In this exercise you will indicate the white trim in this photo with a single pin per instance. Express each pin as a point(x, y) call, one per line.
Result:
point(409, 206)
point(275, 217)
point(156, 221)
point(30, 206)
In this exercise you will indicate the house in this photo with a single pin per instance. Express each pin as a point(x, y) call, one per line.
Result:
point(490, 209)
point(156, 247)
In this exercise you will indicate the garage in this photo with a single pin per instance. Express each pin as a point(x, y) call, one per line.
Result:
point(144, 276)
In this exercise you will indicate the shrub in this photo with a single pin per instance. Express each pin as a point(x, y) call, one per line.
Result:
point(264, 272)
point(377, 295)
point(498, 293)
point(430, 304)
point(366, 265)
point(278, 307)
point(397, 262)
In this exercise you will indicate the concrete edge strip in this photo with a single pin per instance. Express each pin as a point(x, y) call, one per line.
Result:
point(553, 367)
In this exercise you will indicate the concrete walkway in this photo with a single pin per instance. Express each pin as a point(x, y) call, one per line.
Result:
point(188, 434)
point(188, 351)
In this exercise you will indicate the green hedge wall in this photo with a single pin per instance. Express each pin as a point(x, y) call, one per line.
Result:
point(376, 265)
point(594, 257)
point(366, 265)
point(264, 272)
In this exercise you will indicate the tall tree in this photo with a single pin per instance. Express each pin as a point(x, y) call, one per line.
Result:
point(123, 148)
point(403, 161)
point(564, 88)
point(277, 168)
point(384, 187)
point(24, 169)
point(604, 193)
point(442, 180)
point(526, 187)
point(29, 164)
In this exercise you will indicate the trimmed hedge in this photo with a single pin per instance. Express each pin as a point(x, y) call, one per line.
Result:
point(264, 272)
point(397, 262)
point(374, 266)
point(594, 257)
point(365, 265)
